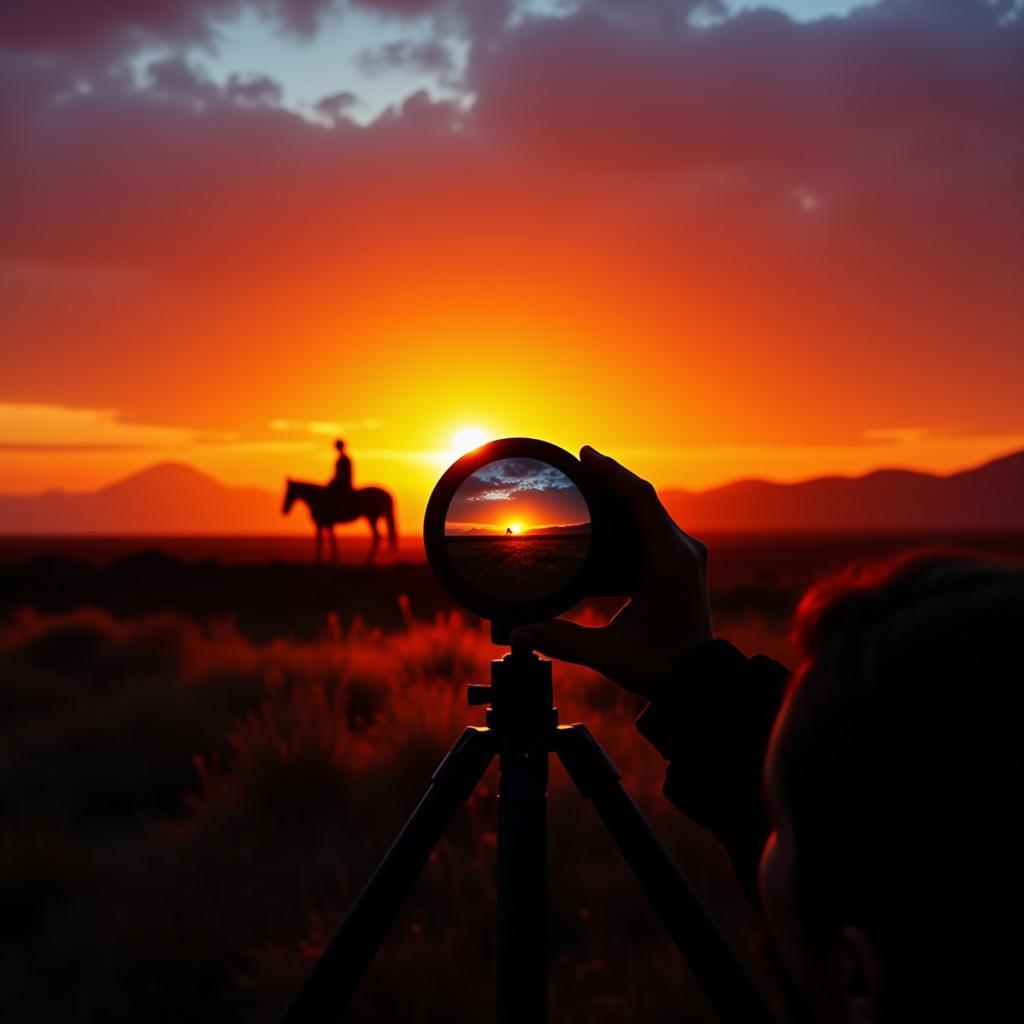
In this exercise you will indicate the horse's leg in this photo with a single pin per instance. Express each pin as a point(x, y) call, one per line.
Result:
point(372, 520)
point(319, 544)
point(389, 518)
point(334, 544)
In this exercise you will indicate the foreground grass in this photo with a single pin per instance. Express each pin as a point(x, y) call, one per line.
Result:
point(190, 815)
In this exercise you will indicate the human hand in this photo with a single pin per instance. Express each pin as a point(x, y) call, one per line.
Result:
point(668, 614)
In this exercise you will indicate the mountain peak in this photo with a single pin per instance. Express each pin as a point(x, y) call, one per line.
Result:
point(164, 478)
point(989, 496)
point(173, 497)
point(168, 497)
point(167, 470)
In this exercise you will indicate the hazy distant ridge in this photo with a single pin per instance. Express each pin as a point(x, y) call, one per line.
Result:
point(574, 529)
point(172, 498)
point(166, 498)
point(988, 497)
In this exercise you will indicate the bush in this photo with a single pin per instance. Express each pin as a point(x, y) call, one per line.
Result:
point(193, 814)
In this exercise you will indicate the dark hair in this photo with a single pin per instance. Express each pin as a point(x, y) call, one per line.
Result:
point(894, 760)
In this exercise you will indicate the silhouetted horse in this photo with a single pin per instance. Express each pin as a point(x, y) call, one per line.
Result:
point(329, 505)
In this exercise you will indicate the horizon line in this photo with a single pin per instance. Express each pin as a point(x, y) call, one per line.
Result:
point(676, 487)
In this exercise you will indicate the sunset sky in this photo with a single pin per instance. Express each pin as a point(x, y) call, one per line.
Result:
point(517, 495)
point(715, 239)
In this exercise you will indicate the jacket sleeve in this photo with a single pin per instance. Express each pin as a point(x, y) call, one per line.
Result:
point(712, 722)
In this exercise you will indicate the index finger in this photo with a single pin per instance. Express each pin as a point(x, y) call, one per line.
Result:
point(638, 497)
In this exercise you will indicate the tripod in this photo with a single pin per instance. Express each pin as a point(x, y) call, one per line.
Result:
point(522, 729)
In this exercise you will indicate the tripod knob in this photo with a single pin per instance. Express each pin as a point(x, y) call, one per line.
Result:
point(478, 695)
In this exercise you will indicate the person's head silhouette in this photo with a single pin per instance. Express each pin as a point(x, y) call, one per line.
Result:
point(888, 779)
point(340, 445)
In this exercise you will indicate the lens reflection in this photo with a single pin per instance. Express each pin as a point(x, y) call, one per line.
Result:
point(517, 530)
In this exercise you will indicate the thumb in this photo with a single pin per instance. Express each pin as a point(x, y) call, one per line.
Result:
point(566, 641)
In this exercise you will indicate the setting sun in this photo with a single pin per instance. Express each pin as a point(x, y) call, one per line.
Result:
point(516, 528)
point(466, 440)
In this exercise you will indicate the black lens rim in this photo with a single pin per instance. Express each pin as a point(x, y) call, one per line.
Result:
point(504, 612)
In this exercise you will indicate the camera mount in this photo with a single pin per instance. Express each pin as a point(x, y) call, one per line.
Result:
point(522, 730)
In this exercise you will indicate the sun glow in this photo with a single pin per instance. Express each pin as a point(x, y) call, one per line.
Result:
point(516, 527)
point(466, 440)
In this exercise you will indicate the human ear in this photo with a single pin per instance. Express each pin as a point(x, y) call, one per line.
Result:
point(862, 977)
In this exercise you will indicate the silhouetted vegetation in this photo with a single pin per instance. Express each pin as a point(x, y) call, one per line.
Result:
point(193, 813)
point(192, 801)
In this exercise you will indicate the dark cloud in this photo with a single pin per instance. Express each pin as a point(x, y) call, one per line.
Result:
point(506, 489)
point(56, 25)
point(176, 77)
point(253, 90)
point(907, 111)
point(338, 105)
point(478, 21)
point(851, 187)
point(106, 27)
point(406, 8)
point(500, 480)
point(488, 10)
point(758, 89)
point(429, 56)
point(60, 26)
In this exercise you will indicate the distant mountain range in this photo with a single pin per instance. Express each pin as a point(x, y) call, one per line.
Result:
point(988, 497)
point(575, 529)
point(171, 498)
point(166, 498)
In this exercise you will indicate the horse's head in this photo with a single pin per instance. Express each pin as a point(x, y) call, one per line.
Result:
point(289, 497)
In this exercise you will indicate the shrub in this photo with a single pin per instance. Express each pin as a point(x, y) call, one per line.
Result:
point(195, 812)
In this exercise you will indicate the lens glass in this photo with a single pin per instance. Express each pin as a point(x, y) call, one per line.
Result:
point(517, 530)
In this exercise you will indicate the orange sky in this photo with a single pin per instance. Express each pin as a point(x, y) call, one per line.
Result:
point(762, 247)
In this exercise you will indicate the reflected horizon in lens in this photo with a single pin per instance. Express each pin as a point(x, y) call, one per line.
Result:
point(517, 530)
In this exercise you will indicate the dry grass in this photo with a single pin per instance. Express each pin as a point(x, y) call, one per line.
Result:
point(193, 813)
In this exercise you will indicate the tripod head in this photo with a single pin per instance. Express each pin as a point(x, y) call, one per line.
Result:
point(519, 698)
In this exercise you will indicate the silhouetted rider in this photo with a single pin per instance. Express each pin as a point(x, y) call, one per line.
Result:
point(342, 470)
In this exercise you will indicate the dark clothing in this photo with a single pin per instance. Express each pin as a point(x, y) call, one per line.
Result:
point(712, 722)
point(342, 474)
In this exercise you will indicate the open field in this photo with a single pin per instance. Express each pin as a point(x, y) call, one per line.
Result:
point(200, 764)
point(192, 814)
point(240, 549)
point(522, 568)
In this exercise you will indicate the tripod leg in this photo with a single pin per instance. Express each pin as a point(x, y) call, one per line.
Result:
point(343, 963)
point(522, 961)
point(724, 980)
